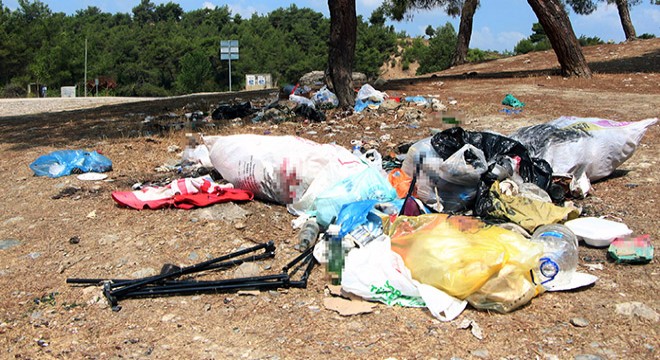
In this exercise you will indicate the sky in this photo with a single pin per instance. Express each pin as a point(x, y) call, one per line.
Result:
point(498, 24)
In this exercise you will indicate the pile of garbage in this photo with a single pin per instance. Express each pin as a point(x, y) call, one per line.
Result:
point(468, 217)
point(302, 103)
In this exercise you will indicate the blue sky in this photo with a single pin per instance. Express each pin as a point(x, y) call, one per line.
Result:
point(498, 24)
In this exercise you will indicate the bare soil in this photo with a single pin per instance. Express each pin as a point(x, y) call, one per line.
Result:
point(43, 317)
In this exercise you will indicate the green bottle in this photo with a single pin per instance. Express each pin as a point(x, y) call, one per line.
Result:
point(335, 254)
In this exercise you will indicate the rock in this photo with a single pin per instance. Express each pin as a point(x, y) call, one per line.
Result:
point(240, 226)
point(225, 212)
point(480, 353)
point(587, 357)
point(8, 243)
point(579, 322)
point(74, 240)
point(108, 239)
point(12, 221)
point(167, 317)
point(248, 269)
point(636, 308)
point(144, 272)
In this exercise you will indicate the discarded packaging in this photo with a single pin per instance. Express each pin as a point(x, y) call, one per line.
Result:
point(632, 250)
point(597, 232)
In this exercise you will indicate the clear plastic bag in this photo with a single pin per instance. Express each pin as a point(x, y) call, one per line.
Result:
point(488, 266)
point(366, 185)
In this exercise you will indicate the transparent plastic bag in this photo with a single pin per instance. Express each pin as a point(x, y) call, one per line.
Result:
point(462, 256)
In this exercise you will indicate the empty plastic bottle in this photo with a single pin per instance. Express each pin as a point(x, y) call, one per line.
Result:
point(560, 254)
point(308, 234)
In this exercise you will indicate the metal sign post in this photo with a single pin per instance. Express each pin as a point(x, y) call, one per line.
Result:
point(229, 51)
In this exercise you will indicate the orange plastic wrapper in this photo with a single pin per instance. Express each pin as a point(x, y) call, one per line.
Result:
point(400, 182)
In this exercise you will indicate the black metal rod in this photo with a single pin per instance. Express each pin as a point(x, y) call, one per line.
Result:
point(270, 246)
point(120, 282)
point(204, 289)
point(297, 259)
point(198, 284)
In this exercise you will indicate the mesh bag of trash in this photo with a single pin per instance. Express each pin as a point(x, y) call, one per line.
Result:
point(570, 143)
point(282, 169)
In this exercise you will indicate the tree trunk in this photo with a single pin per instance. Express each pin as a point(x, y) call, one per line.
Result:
point(464, 32)
point(343, 35)
point(626, 22)
point(557, 26)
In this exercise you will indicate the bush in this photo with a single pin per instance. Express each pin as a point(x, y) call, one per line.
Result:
point(523, 47)
point(13, 91)
point(587, 41)
point(646, 36)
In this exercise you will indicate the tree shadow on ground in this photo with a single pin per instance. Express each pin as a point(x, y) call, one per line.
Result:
point(645, 63)
point(109, 121)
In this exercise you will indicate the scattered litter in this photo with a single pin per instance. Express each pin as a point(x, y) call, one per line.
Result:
point(92, 176)
point(597, 232)
point(510, 100)
point(348, 307)
point(632, 250)
point(65, 162)
point(475, 329)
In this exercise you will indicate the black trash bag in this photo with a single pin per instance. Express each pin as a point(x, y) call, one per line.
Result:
point(495, 148)
point(232, 111)
point(309, 113)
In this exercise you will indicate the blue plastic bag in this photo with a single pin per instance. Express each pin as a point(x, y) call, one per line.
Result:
point(366, 185)
point(64, 162)
point(354, 214)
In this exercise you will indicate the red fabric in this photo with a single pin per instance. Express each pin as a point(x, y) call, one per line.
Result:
point(182, 201)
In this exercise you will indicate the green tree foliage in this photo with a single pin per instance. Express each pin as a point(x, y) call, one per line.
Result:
point(159, 50)
point(538, 41)
point(440, 51)
point(195, 72)
point(588, 41)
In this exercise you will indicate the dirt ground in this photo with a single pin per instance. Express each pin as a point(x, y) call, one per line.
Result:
point(82, 233)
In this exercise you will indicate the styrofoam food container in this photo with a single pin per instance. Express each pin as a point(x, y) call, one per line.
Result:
point(596, 231)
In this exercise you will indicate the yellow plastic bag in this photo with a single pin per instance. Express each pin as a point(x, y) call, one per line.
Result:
point(489, 266)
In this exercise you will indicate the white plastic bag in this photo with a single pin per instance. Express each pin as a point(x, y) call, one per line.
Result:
point(277, 168)
point(376, 273)
point(302, 100)
point(324, 98)
point(453, 183)
point(197, 155)
point(367, 92)
point(570, 143)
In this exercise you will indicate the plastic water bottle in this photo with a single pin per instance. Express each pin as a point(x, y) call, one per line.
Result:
point(308, 234)
point(560, 254)
point(335, 254)
point(356, 150)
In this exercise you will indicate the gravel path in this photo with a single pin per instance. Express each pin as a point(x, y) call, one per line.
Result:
point(14, 107)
